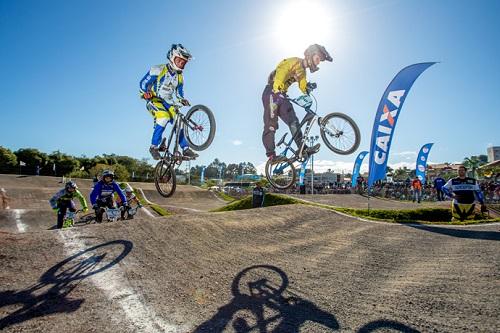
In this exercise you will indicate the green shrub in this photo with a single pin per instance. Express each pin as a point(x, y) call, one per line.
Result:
point(269, 200)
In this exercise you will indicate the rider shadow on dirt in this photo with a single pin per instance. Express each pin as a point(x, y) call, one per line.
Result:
point(258, 294)
point(52, 292)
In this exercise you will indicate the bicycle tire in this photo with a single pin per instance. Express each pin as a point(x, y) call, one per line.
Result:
point(281, 181)
point(192, 135)
point(327, 136)
point(164, 172)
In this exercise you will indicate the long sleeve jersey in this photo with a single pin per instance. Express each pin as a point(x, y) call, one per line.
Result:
point(164, 83)
point(64, 195)
point(287, 72)
point(464, 190)
point(102, 191)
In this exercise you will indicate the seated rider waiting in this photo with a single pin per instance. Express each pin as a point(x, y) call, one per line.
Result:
point(129, 194)
point(102, 194)
point(464, 191)
point(274, 97)
point(63, 201)
point(163, 86)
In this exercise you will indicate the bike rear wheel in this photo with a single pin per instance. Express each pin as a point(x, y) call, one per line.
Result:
point(340, 133)
point(281, 175)
point(199, 127)
point(165, 180)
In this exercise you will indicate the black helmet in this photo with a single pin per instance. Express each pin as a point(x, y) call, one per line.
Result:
point(70, 184)
point(316, 49)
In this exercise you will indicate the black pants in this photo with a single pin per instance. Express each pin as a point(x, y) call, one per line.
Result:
point(273, 108)
point(440, 194)
point(61, 213)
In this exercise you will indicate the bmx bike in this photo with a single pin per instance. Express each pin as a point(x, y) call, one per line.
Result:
point(338, 131)
point(199, 129)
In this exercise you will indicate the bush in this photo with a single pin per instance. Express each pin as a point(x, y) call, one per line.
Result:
point(121, 173)
point(269, 200)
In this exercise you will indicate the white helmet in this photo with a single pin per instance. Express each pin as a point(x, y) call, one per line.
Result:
point(178, 51)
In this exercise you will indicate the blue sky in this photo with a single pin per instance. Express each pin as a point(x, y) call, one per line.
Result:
point(70, 71)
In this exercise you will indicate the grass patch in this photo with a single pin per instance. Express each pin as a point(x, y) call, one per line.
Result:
point(270, 199)
point(224, 196)
point(158, 209)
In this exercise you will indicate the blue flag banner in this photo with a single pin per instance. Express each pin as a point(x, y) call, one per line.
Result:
point(422, 161)
point(357, 167)
point(387, 116)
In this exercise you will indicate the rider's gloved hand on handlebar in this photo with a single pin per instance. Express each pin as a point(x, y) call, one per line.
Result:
point(311, 86)
point(185, 102)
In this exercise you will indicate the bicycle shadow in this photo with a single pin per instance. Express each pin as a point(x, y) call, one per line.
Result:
point(51, 294)
point(460, 233)
point(267, 306)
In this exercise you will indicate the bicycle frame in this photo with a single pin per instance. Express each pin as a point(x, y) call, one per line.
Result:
point(177, 123)
point(308, 120)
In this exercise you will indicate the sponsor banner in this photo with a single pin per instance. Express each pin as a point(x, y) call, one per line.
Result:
point(422, 161)
point(357, 167)
point(387, 116)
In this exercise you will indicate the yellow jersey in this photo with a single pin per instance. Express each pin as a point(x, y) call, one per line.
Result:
point(288, 71)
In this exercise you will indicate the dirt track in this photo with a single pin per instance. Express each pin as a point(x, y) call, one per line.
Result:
point(282, 269)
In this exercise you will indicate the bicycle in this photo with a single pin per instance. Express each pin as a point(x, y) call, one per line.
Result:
point(112, 214)
point(69, 218)
point(199, 129)
point(129, 212)
point(338, 131)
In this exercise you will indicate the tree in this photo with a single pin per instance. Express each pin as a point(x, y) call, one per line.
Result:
point(65, 164)
point(247, 168)
point(473, 163)
point(121, 173)
point(232, 170)
point(8, 160)
point(32, 157)
point(401, 173)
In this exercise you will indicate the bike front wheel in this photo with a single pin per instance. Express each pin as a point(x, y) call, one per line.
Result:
point(281, 175)
point(199, 127)
point(165, 180)
point(340, 133)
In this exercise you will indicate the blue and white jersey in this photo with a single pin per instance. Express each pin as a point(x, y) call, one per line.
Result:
point(164, 82)
point(103, 191)
point(464, 190)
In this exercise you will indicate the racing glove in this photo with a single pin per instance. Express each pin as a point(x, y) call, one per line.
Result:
point(185, 102)
point(147, 95)
point(310, 87)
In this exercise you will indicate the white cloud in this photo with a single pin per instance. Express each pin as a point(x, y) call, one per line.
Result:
point(406, 153)
point(236, 142)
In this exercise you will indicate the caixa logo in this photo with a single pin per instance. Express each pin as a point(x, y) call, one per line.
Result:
point(386, 125)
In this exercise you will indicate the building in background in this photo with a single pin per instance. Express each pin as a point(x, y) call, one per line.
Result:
point(493, 154)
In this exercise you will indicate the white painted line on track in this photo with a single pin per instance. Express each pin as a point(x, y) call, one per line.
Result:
point(115, 286)
point(21, 227)
point(145, 210)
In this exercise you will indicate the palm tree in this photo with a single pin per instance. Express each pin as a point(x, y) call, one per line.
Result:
point(473, 163)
